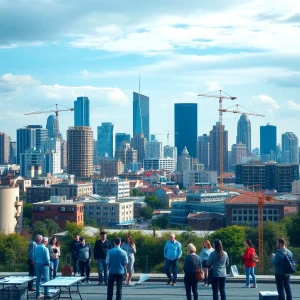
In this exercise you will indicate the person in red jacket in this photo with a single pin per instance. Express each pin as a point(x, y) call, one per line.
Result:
point(250, 259)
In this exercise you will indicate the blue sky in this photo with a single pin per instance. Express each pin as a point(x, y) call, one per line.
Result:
point(53, 51)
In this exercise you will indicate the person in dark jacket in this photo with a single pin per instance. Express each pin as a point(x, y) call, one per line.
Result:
point(74, 246)
point(249, 263)
point(190, 264)
point(84, 255)
point(100, 252)
point(282, 279)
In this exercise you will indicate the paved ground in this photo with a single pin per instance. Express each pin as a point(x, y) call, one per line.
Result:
point(160, 291)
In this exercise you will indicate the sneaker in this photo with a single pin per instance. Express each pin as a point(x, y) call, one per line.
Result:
point(205, 284)
point(173, 284)
point(169, 281)
point(40, 296)
point(253, 286)
point(88, 282)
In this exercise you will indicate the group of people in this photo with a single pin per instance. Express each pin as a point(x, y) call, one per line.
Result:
point(43, 261)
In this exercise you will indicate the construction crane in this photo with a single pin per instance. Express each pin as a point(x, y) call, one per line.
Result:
point(220, 97)
point(237, 111)
point(56, 111)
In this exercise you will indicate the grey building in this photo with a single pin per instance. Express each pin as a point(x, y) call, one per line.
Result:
point(26, 139)
point(4, 148)
point(244, 132)
point(141, 118)
point(121, 137)
point(290, 148)
point(203, 150)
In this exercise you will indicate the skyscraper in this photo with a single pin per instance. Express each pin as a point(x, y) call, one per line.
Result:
point(203, 150)
point(80, 151)
point(170, 151)
point(82, 111)
point(244, 132)
point(154, 149)
point(51, 126)
point(13, 152)
point(138, 142)
point(214, 153)
point(41, 136)
point(105, 137)
point(4, 148)
point(126, 154)
point(186, 127)
point(290, 148)
point(120, 138)
point(238, 151)
point(141, 119)
point(26, 139)
point(268, 142)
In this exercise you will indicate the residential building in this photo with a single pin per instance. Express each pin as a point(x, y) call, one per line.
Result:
point(214, 156)
point(238, 152)
point(105, 137)
point(80, 151)
point(159, 164)
point(244, 132)
point(138, 142)
point(13, 152)
point(126, 154)
point(268, 142)
point(26, 139)
point(141, 119)
point(154, 149)
point(170, 151)
point(111, 167)
point(4, 148)
point(112, 188)
point(58, 209)
point(71, 189)
point(12, 181)
point(38, 193)
point(63, 154)
point(185, 127)
point(11, 210)
point(290, 148)
point(82, 112)
point(192, 177)
point(205, 221)
point(51, 126)
point(120, 138)
point(203, 150)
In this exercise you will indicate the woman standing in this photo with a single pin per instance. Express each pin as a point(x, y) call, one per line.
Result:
point(190, 264)
point(54, 252)
point(219, 261)
point(249, 263)
point(130, 249)
point(204, 255)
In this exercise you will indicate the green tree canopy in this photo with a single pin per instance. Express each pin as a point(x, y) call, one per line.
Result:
point(152, 201)
point(293, 230)
point(146, 213)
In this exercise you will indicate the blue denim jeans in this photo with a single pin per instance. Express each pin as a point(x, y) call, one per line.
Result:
point(248, 272)
point(218, 285)
point(54, 265)
point(41, 270)
point(283, 285)
point(102, 267)
point(174, 265)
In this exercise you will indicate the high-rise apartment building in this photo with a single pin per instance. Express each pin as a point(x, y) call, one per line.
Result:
point(82, 111)
point(63, 153)
point(203, 150)
point(111, 167)
point(290, 148)
point(51, 126)
point(138, 142)
point(13, 152)
point(120, 138)
point(26, 139)
point(105, 137)
point(214, 156)
point(154, 149)
point(186, 127)
point(268, 142)
point(244, 132)
point(238, 151)
point(4, 148)
point(126, 154)
point(141, 119)
point(80, 151)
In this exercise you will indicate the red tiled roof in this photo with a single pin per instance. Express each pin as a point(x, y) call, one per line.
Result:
point(290, 209)
point(246, 199)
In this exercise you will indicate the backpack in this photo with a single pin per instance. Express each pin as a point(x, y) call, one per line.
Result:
point(288, 264)
point(84, 253)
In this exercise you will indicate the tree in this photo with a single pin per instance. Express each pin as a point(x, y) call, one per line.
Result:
point(152, 201)
point(161, 222)
point(39, 227)
point(52, 227)
point(293, 230)
point(27, 211)
point(146, 213)
point(136, 192)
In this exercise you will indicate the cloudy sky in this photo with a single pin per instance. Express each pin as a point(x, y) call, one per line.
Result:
point(53, 51)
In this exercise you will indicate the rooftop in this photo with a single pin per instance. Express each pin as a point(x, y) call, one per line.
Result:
point(246, 199)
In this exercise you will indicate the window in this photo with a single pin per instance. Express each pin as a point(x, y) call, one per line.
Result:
point(245, 218)
point(240, 212)
point(234, 211)
point(240, 218)
point(234, 219)
point(250, 218)
point(245, 212)
point(200, 220)
point(250, 211)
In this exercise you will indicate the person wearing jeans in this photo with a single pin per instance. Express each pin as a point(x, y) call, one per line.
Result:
point(116, 260)
point(54, 251)
point(172, 253)
point(31, 267)
point(74, 247)
point(84, 254)
point(249, 263)
point(218, 260)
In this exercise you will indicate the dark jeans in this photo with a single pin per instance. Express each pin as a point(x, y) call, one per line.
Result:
point(102, 267)
point(75, 265)
point(218, 284)
point(190, 282)
point(85, 268)
point(283, 284)
point(110, 286)
point(174, 265)
point(30, 273)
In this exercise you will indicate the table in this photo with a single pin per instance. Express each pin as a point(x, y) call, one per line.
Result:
point(67, 283)
point(16, 281)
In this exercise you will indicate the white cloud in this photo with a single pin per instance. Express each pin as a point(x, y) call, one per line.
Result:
point(264, 99)
point(12, 83)
point(212, 86)
point(293, 106)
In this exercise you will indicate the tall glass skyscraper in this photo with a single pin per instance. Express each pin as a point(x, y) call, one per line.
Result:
point(186, 127)
point(268, 142)
point(244, 132)
point(141, 115)
point(51, 126)
point(26, 139)
point(41, 136)
point(82, 111)
point(120, 138)
point(105, 137)
point(290, 148)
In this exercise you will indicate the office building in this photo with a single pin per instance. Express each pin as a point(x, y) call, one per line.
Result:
point(141, 119)
point(126, 154)
point(82, 112)
point(11, 210)
point(111, 167)
point(71, 189)
point(290, 148)
point(63, 155)
point(244, 132)
point(166, 163)
point(105, 137)
point(194, 177)
point(38, 193)
point(185, 129)
point(138, 142)
point(41, 136)
point(13, 152)
point(214, 153)
point(51, 126)
point(268, 142)
point(120, 138)
point(203, 150)
point(4, 148)
point(112, 188)
point(80, 151)
point(26, 139)
point(238, 151)
point(154, 149)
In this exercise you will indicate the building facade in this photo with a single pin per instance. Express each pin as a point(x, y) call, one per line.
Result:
point(290, 148)
point(105, 136)
point(203, 150)
point(154, 149)
point(268, 142)
point(26, 139)
point(244, 132)
point(192, 177)
point(13, 152)
point(159, 164)
point(126, 154)
point(112, 188)
point(4, 149)
point(138, 142)
point(51, 126)
point(120, 138)
point(238, 151)
point(38, 193)
point(111, 167)
point(82, 112)
point(72, 190)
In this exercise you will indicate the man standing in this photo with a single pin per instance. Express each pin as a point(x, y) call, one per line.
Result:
point(100, 252)
point(281, 277)
point(74, 246)
point(172, 252)
point(42, 263)
point(84, 254)
point(116, 260)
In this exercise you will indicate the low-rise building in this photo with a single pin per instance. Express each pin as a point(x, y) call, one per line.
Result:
point(112, 188)
point(191, 177)
point(71, 190)
point(38, 193)
point(205, 221)
point(12, 180)
point(166, 163)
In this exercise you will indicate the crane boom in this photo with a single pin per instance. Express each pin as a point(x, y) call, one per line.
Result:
point(241, 112)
